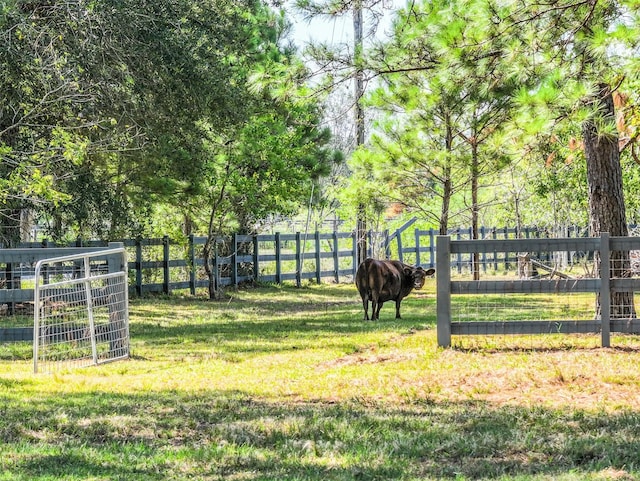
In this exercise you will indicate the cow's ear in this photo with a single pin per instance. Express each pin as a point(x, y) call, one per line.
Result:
point(430, 271)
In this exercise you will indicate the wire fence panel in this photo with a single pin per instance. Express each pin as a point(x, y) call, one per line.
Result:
point(561, 285)
point(81, 312)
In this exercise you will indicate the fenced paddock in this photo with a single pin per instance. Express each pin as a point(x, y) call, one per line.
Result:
point(565, 285)
point(165, 265)
point(80, 310)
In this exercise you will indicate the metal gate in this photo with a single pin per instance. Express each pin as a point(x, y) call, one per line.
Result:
point(81, 310)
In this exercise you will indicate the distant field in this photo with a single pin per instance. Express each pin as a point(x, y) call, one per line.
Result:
point(279, 383)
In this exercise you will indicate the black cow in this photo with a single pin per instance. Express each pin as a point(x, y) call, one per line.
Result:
point(381, 281)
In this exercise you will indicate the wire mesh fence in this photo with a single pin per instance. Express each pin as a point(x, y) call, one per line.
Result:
point(541, 286)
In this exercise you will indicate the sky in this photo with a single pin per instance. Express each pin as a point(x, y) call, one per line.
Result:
point(334, 31)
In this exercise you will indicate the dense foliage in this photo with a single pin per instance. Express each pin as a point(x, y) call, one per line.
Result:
point(497, 112)
point(136, 118)
point(112, 109)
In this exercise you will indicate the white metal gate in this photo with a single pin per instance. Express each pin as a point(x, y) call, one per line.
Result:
point(81, 310)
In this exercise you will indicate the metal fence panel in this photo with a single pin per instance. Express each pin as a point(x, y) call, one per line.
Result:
point(81, 314)
point(527, 283)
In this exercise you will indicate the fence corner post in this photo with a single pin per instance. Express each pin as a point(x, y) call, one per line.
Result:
point(278, 259)
point(605, 290)
point(386, 246)
point(138, 266)
point(443, 287)
point(234, 260)
point(354, 252)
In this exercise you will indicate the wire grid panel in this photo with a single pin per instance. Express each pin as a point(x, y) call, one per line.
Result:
point(80, 312)
point(526, 287)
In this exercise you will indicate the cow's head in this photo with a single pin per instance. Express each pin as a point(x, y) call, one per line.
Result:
point(418, 274)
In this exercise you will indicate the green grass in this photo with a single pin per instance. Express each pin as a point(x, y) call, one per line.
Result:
point(280, 383)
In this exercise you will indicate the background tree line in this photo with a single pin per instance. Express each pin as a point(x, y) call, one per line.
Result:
point(125, 118)
point(485, 112)
point(114, 112)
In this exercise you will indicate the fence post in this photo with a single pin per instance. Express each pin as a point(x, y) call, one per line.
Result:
point(298, 261)
point(336, 258)
point(506, 254)
point(605, 292)
point(416, 234)
point(459, 236)
point(483, 233)
point(11, 284)
point(278, 260)
point(117, 314)
point(138, 266)
point(387, 247)
point(399, 241)
point(165, 264)
point(432, 250)
point(234, 260)
point(318, 266)
point(256, 258)
point(443, 281)
point(494, 235)
point(45, 269)
point(192, 261)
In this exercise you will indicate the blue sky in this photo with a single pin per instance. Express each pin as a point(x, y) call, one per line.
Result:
point(334, 31)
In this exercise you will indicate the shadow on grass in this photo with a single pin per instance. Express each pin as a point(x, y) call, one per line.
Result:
point(281, 318)
point(228, 435)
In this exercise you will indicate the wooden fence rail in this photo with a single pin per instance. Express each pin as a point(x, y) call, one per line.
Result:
point(162, 265)
point(18, 275)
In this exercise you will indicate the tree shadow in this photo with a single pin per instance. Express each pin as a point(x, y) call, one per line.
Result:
point(333, 314)
point(225, 435)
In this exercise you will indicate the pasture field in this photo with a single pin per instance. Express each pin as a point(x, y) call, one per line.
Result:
point(279, 383)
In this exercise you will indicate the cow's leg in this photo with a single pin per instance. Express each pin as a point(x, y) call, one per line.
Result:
point(374, 304)
point(398, 309)
point(365, 304)
point(378, 309)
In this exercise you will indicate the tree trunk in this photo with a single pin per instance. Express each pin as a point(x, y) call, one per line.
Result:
point(447, 185)
point(606, 201)
point(10, 227)
point(475, 173)
point(361, 222)
point(446, 202)
point(210, 267)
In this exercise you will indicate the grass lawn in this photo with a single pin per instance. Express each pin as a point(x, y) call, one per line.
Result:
point(279, 383)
